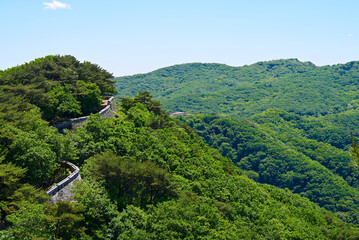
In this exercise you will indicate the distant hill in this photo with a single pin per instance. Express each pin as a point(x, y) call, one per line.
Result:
point(286, 123)
point(291, 85)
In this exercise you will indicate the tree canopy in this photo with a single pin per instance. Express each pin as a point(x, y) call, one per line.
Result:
point(288, 84)
point(145, 175)
point(61, 86)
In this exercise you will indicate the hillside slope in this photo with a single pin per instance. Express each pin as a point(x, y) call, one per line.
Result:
point(147, 176)
point(61, 86)
point(291, 85)
point(272, 148)
point(202, 194)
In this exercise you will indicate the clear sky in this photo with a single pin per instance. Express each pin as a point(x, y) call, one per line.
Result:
point(137, 36)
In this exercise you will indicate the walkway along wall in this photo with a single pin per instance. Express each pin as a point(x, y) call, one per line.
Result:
point(62, 191)
point(77, 122)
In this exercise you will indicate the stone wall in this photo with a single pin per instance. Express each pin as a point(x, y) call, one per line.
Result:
point(62, 190)
point(77, 122)
point(75, 173)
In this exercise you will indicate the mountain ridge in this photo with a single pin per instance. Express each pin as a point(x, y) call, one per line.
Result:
point(299, 87)
point(227, 65)
point(148, 176)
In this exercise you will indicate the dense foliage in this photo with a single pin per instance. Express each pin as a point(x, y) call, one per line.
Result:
point(291, 85)
point(272, 149)
point(296, 130)
point(147, 176)
point(61, 86)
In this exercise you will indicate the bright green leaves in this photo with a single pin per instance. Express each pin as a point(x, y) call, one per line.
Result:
point(10, 177)
point(32, 153)
point(43, 221)
point(89, 96)
point(29, 222)
point(354, 149)
point(291, 85)
point(95, 74)
point(66, 219)
point(70, 101)
point(60, 86)
point(35, 147)
point(100, 211)
point(63, 104)
point(139, 115)
point(20, 203)
point(132, 223)
point(146, 99)
point(147, 176)
point(131, 182)
point(273, 149)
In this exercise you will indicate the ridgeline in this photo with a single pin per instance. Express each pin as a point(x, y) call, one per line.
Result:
point(145, 174)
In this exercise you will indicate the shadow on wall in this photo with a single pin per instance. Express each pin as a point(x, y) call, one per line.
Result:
point(59, 186)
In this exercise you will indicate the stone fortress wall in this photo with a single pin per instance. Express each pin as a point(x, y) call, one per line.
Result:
point(77, 122)
point(62, 191)
point(75, 172)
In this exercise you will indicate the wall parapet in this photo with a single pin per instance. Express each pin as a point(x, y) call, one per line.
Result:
point(59, 186)
point(72, 123)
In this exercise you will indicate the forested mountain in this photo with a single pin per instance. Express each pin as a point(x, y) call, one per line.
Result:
point(286, 123)
point(291, 85)
point(271, 148)
point(149, 176)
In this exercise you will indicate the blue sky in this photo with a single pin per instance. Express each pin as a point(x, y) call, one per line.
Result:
point(133, 36)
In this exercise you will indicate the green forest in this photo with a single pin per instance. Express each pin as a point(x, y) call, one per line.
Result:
point(271, 148)
point(250, 163)
point(288, 84)
point(60, 86)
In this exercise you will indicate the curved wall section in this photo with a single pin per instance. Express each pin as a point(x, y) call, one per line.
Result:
point(59, 186)
point(77, 122)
